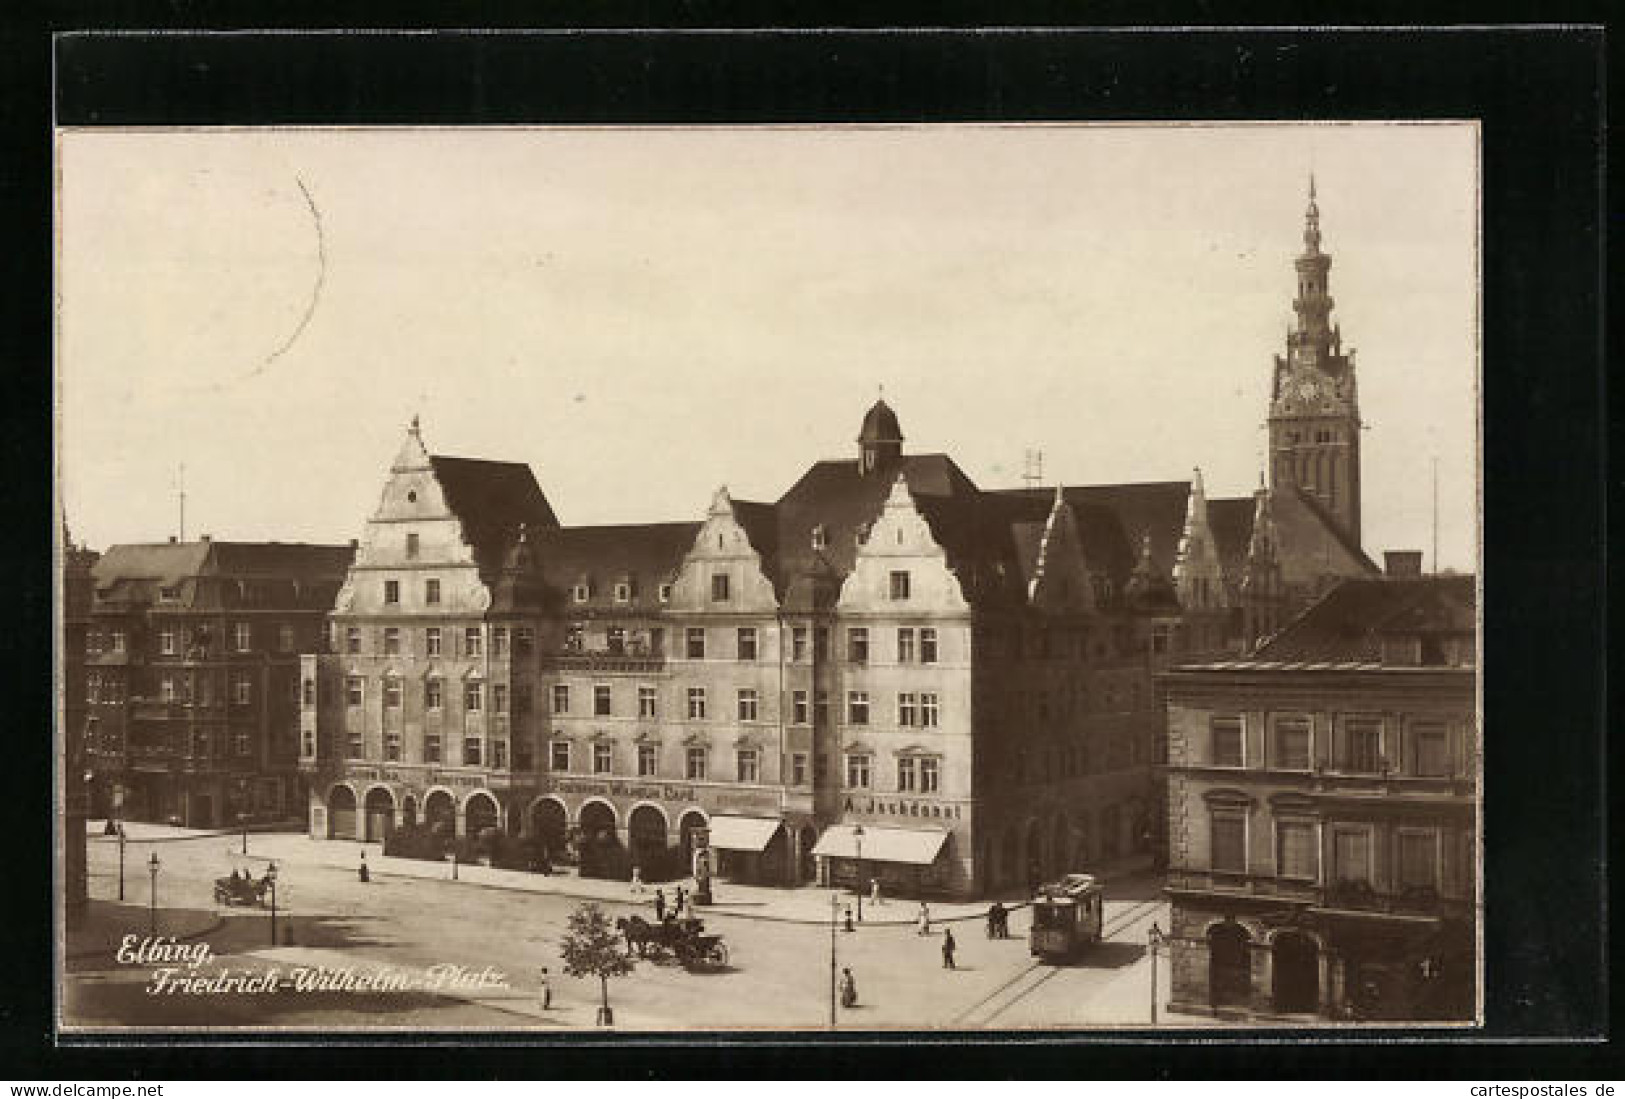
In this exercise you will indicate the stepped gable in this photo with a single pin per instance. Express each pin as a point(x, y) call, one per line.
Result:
point(646, 554)
point(1348, 624)
point(492, 500)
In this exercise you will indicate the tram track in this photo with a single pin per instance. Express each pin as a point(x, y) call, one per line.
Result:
point(1038, 973)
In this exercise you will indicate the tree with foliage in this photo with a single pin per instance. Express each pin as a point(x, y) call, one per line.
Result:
point(592, 948)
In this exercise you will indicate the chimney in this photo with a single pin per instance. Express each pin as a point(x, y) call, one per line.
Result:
point(1402, 564)
point(355, 543)
point(205, 537)
point(172, 539)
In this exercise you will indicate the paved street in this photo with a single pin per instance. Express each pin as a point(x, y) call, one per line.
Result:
point(499, 927)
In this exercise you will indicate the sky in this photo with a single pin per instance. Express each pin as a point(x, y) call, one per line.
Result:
point(644, 314)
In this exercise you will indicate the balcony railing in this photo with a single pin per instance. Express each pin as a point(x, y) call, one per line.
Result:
point(626, 658)
point(1351, 896)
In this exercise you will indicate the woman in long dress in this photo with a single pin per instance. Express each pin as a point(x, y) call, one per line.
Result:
point(925, 919)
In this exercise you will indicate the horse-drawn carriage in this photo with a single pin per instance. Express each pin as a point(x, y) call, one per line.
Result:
point(241, 889)
point(683, 939)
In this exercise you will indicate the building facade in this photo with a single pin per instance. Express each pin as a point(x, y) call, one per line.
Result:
point(191, 677)
point(76, 598)
point(1323, 802)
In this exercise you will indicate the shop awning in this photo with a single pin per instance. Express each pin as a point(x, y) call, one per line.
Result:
point(743, 833)
point(881, 844)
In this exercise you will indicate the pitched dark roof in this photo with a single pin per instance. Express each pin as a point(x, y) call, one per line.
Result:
point(1347, 625)
point(491, 500)
point(648, 554)
point(1322, 513)
point(223, 574)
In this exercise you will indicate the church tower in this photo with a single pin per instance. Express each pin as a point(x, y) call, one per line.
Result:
point(880, 440)
point(1314, 419)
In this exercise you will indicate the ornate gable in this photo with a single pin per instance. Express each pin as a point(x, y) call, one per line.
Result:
point(722, 571)
point(900, 541)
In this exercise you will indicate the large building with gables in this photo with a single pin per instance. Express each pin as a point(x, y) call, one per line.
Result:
point(887, 672)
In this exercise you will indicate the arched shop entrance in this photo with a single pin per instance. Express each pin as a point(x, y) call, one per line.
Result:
point(440, 813)
point(480, 812)
point(380, 814)
point(692, 821)
point(646, 839)
point(549, 825)
point(341, 813)
point(601, 853)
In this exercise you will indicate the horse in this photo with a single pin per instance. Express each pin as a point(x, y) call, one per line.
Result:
point(640, 934)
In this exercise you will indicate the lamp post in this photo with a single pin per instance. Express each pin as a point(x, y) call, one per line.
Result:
point(121, 861)
point(857, 839)
point(152, 909)
point(242, 819)
point(270, 877)
point(1154, 939)
point(834, 912)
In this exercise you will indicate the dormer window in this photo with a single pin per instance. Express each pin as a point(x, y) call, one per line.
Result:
point(861, 534)
point(665, 593)
point(820, 537)
point(581, 592)
point(169, 593)
point(623, 592)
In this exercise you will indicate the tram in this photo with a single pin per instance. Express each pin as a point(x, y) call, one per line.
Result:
point(1066, 917)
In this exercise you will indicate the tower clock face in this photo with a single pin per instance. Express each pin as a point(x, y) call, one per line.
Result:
point(1308, 389)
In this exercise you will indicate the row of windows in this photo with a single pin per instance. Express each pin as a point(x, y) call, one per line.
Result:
point(914, 709)
point(914, 644)
point(434, 694)
point(1297, 849)
point(168, 639)
point(180, 689)
point(1360, 746)
point(435, 640)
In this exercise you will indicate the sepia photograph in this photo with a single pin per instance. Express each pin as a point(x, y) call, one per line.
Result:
point(790, 578)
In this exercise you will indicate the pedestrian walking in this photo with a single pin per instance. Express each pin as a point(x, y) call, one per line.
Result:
point(849, 988)
point(660, 905)
point(924, 919)
point(849, 926)
point(361, 871)
point(947, 948)
point(637, 882)
point(677, 908)
point(993, 911)
point(874, 892)
point(547, 990)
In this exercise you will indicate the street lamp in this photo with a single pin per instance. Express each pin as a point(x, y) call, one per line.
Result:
point(834, 911)
point(1154, 939)
point(152, 868)
point(270, 877)
point(857, 839)
point(121, 862)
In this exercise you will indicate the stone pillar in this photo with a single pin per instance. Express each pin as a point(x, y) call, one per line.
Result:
point(1262, 959)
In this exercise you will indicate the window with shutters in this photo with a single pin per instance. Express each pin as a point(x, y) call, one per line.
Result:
point(1351, 857)
point(1295, 850)
point(1362, 746)
point(1291, 744)
point(1229, 835)
point(1225, 741)
point(1431, 750)
point(1418, 860)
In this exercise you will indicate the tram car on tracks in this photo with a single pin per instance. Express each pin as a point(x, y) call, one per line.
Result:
point(1067, 917)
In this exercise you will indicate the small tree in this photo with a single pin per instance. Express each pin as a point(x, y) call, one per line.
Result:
point(592, 948)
